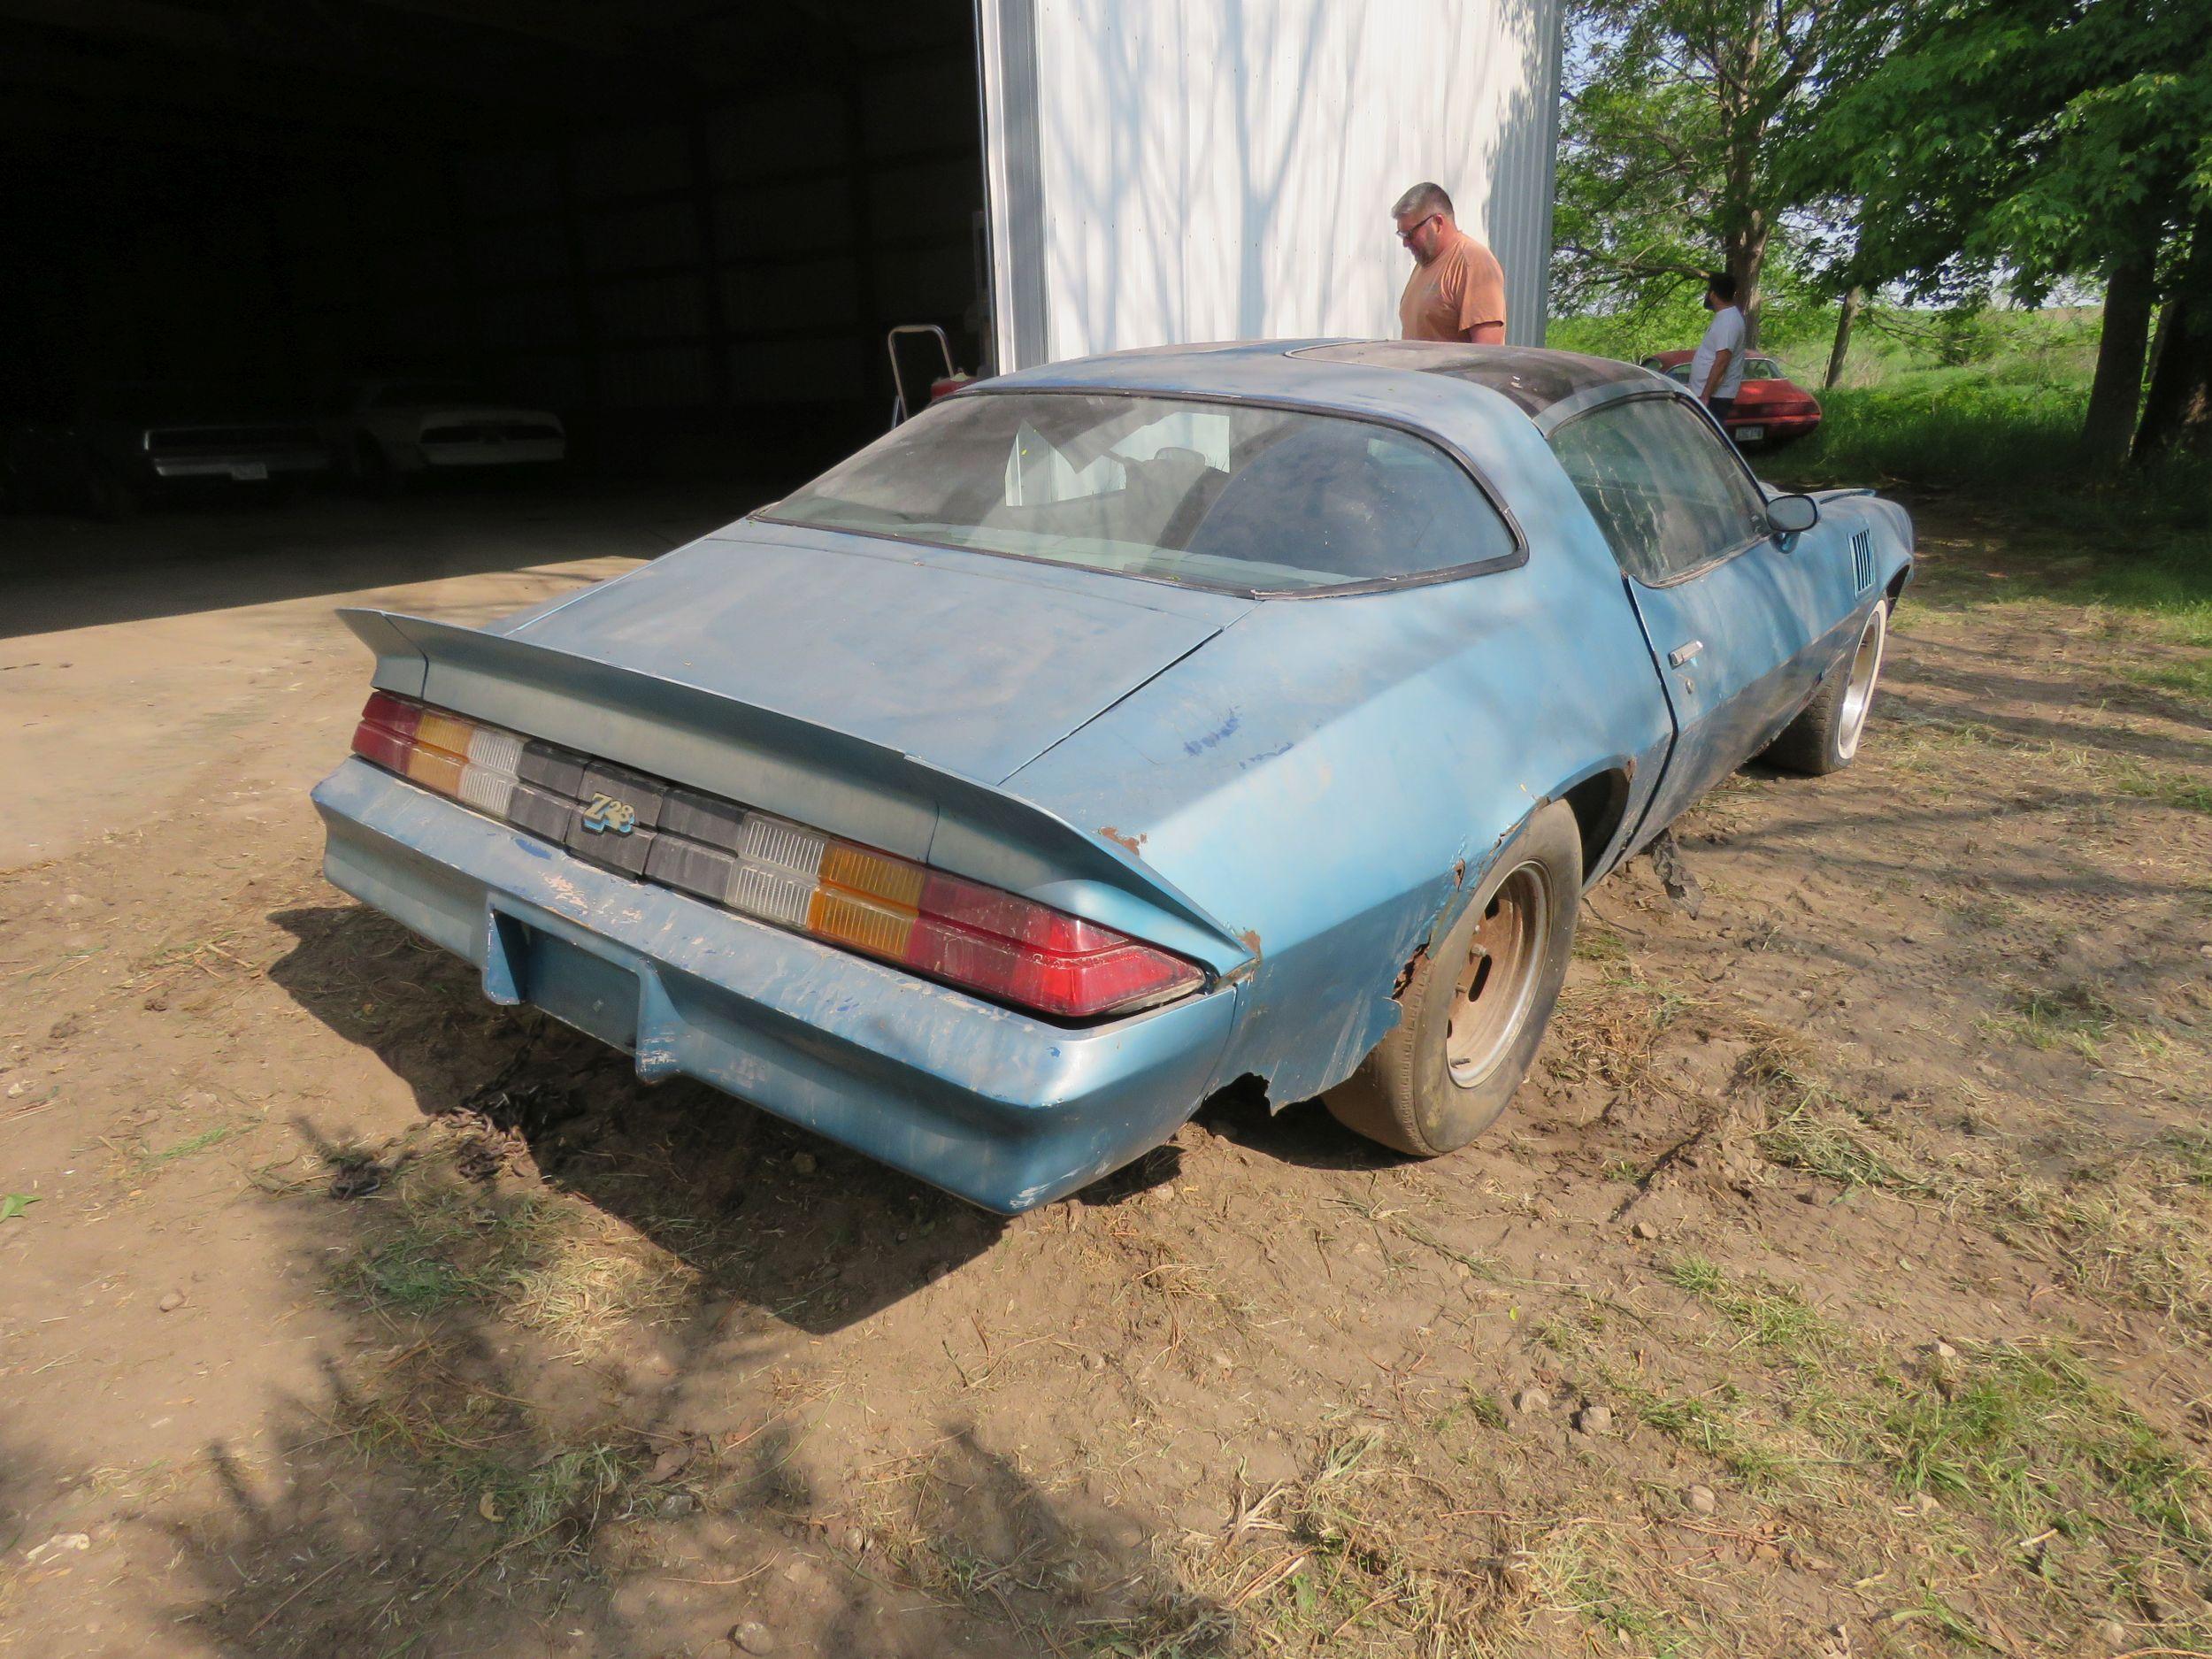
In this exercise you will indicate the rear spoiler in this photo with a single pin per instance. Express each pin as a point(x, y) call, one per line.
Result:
point(799, 768)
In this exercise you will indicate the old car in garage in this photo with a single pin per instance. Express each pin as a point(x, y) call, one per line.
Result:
point(111, 450)
point(1117, 731)
point(387, 432)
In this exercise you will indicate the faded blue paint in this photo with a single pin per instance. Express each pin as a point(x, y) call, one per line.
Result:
point(1005, 1111)
point(1298, 792)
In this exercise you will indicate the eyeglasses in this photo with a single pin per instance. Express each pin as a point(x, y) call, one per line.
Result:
point(1414, 229)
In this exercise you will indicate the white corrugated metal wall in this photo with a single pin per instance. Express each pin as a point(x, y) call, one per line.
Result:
point(1163, 171)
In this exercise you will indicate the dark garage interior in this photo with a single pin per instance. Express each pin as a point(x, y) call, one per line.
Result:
point(682, 226)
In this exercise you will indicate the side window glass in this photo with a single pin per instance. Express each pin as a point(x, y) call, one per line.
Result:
point(1662, 485)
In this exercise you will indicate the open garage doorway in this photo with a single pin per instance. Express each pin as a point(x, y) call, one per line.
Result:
point(682, 228)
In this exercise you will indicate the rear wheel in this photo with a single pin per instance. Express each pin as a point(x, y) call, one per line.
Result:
point(1477, 1003)
point(1824, 737)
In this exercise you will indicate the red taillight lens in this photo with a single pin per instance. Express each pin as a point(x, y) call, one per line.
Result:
point(981, 938)
point(1040, 958)
point(386, 733)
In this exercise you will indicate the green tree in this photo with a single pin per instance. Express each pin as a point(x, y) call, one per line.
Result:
point(1675, 113)
point(2035, 141)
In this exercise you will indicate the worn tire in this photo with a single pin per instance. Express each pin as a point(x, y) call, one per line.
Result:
point(1410, 1094)
point(1824, 736)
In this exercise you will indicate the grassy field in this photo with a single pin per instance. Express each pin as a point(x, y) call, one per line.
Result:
point(1987, 408)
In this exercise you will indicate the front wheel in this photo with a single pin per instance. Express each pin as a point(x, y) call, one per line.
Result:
point(1824, 736)
point(1476, 1004)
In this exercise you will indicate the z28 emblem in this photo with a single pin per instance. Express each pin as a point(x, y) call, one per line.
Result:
point(607, 813)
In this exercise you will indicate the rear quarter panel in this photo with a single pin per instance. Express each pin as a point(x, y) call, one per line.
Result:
point(1331, 778)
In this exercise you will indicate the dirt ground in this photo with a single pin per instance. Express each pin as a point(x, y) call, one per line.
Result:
point(1841, 1284)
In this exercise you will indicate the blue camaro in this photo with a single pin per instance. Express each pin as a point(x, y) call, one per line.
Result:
point(1116, 731)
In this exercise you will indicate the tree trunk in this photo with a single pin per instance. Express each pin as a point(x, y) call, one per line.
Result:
point(1744, 223)
point(1847, 314)
point(1743, 256)
point(2178, 411)
point(2117, 390)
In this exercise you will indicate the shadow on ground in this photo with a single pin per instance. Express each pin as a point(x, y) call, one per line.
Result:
point(769, 1217)
point(564, 1421)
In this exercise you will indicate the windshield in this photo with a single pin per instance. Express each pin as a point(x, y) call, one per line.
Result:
point(1217, 494)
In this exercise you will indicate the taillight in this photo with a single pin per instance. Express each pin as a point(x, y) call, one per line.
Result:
point(466, 759)
point(981, 939)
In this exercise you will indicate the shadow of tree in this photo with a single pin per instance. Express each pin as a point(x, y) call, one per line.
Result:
point(417, 1513)
point(520, 1449)
point(775, 1218)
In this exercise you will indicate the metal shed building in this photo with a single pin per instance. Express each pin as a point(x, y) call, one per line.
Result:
point(687, 224)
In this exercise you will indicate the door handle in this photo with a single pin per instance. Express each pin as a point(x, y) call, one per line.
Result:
point(1682, 654)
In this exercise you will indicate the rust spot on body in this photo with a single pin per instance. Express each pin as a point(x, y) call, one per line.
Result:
point(1250, 939)
point(1406, 973)
point(1132, 842)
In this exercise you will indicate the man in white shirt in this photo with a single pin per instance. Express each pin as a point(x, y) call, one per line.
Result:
point(1716, 371)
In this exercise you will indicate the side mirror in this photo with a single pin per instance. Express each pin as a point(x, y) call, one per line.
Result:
point(1788, 515)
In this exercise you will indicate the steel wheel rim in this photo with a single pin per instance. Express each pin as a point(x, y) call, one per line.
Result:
point(1858, 691)
point(1497, 983)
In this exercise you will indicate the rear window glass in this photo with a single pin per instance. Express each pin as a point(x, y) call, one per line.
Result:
point(1216, 495)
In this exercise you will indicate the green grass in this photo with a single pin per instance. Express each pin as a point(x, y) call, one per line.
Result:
point(544, 1264)
point(1991, 404)
point(2189, 1151)
point(2073, 1017)
point(2028, 1432)
point(1721, 1434)
point(2192, 678)
point(490, 1465)
point(186, 1147)
point(1774, 1317)
point(2167, 788)
point(2022, 1430)
point(410, 1275)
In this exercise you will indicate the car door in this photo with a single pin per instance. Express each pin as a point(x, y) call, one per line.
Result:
point(1729, 610)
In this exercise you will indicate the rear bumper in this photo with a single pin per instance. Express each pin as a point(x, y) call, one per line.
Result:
point(1772, 426)
point(1001, 1110)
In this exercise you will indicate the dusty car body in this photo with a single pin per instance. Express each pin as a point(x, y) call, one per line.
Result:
point(1280, 791)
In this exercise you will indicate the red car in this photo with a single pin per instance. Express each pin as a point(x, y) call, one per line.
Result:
point(1771, 409)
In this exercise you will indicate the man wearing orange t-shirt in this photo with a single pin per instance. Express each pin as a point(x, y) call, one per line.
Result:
point(1458, 288)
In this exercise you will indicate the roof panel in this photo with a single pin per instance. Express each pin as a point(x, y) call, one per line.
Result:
point(1534, 378)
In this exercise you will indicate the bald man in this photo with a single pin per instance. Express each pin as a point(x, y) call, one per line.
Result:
point(1458, 288)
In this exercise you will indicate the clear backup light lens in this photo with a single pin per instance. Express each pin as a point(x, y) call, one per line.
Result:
point(487, 784)
point(777, 866)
